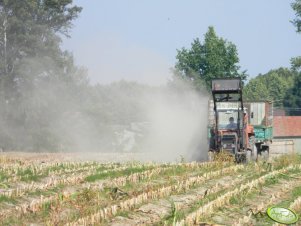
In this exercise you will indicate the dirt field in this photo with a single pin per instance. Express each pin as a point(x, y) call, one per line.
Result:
point(72, 189)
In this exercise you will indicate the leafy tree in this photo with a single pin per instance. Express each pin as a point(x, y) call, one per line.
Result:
point(296, 62)
point(256, 89)
point(29, 29)
point(38, 80)
point(292, 100)
point(270, 86)
point(297, 21)
point(214, 58)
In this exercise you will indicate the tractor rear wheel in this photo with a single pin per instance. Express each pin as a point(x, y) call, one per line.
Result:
point(249, 155)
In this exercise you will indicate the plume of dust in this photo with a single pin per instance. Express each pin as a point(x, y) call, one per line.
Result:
point(177, 116)
point(174, 119)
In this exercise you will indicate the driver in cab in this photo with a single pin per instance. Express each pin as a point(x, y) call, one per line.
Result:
point(232, 124)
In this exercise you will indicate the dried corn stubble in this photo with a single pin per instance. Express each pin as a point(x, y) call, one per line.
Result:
point(225, 198)
point(151, 195)
point(274, 197)
point(223, 156)
point(120, 181)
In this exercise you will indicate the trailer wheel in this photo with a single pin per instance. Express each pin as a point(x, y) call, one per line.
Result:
point(265, 155)
point(264, 152)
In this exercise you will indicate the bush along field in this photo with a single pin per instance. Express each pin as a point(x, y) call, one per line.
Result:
point(64, 192)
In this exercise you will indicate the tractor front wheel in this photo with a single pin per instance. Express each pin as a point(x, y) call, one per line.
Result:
point(241, 157)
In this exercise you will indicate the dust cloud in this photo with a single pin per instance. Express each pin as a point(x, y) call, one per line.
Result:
point(164, 123)
point(177, 119)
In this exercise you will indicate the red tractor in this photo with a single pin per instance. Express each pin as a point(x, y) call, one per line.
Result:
point(230, 130)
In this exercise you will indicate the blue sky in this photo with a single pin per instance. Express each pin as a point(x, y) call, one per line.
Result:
point(137, 39)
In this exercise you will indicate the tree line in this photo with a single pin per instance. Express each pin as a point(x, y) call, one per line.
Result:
point(217, 57)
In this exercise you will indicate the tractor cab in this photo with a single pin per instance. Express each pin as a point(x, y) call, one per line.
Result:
point(227, 128)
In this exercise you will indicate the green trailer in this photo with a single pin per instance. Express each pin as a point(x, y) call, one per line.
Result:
point(263, 133)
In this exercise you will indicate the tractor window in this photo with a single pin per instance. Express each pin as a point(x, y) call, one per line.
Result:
point(227, 119)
